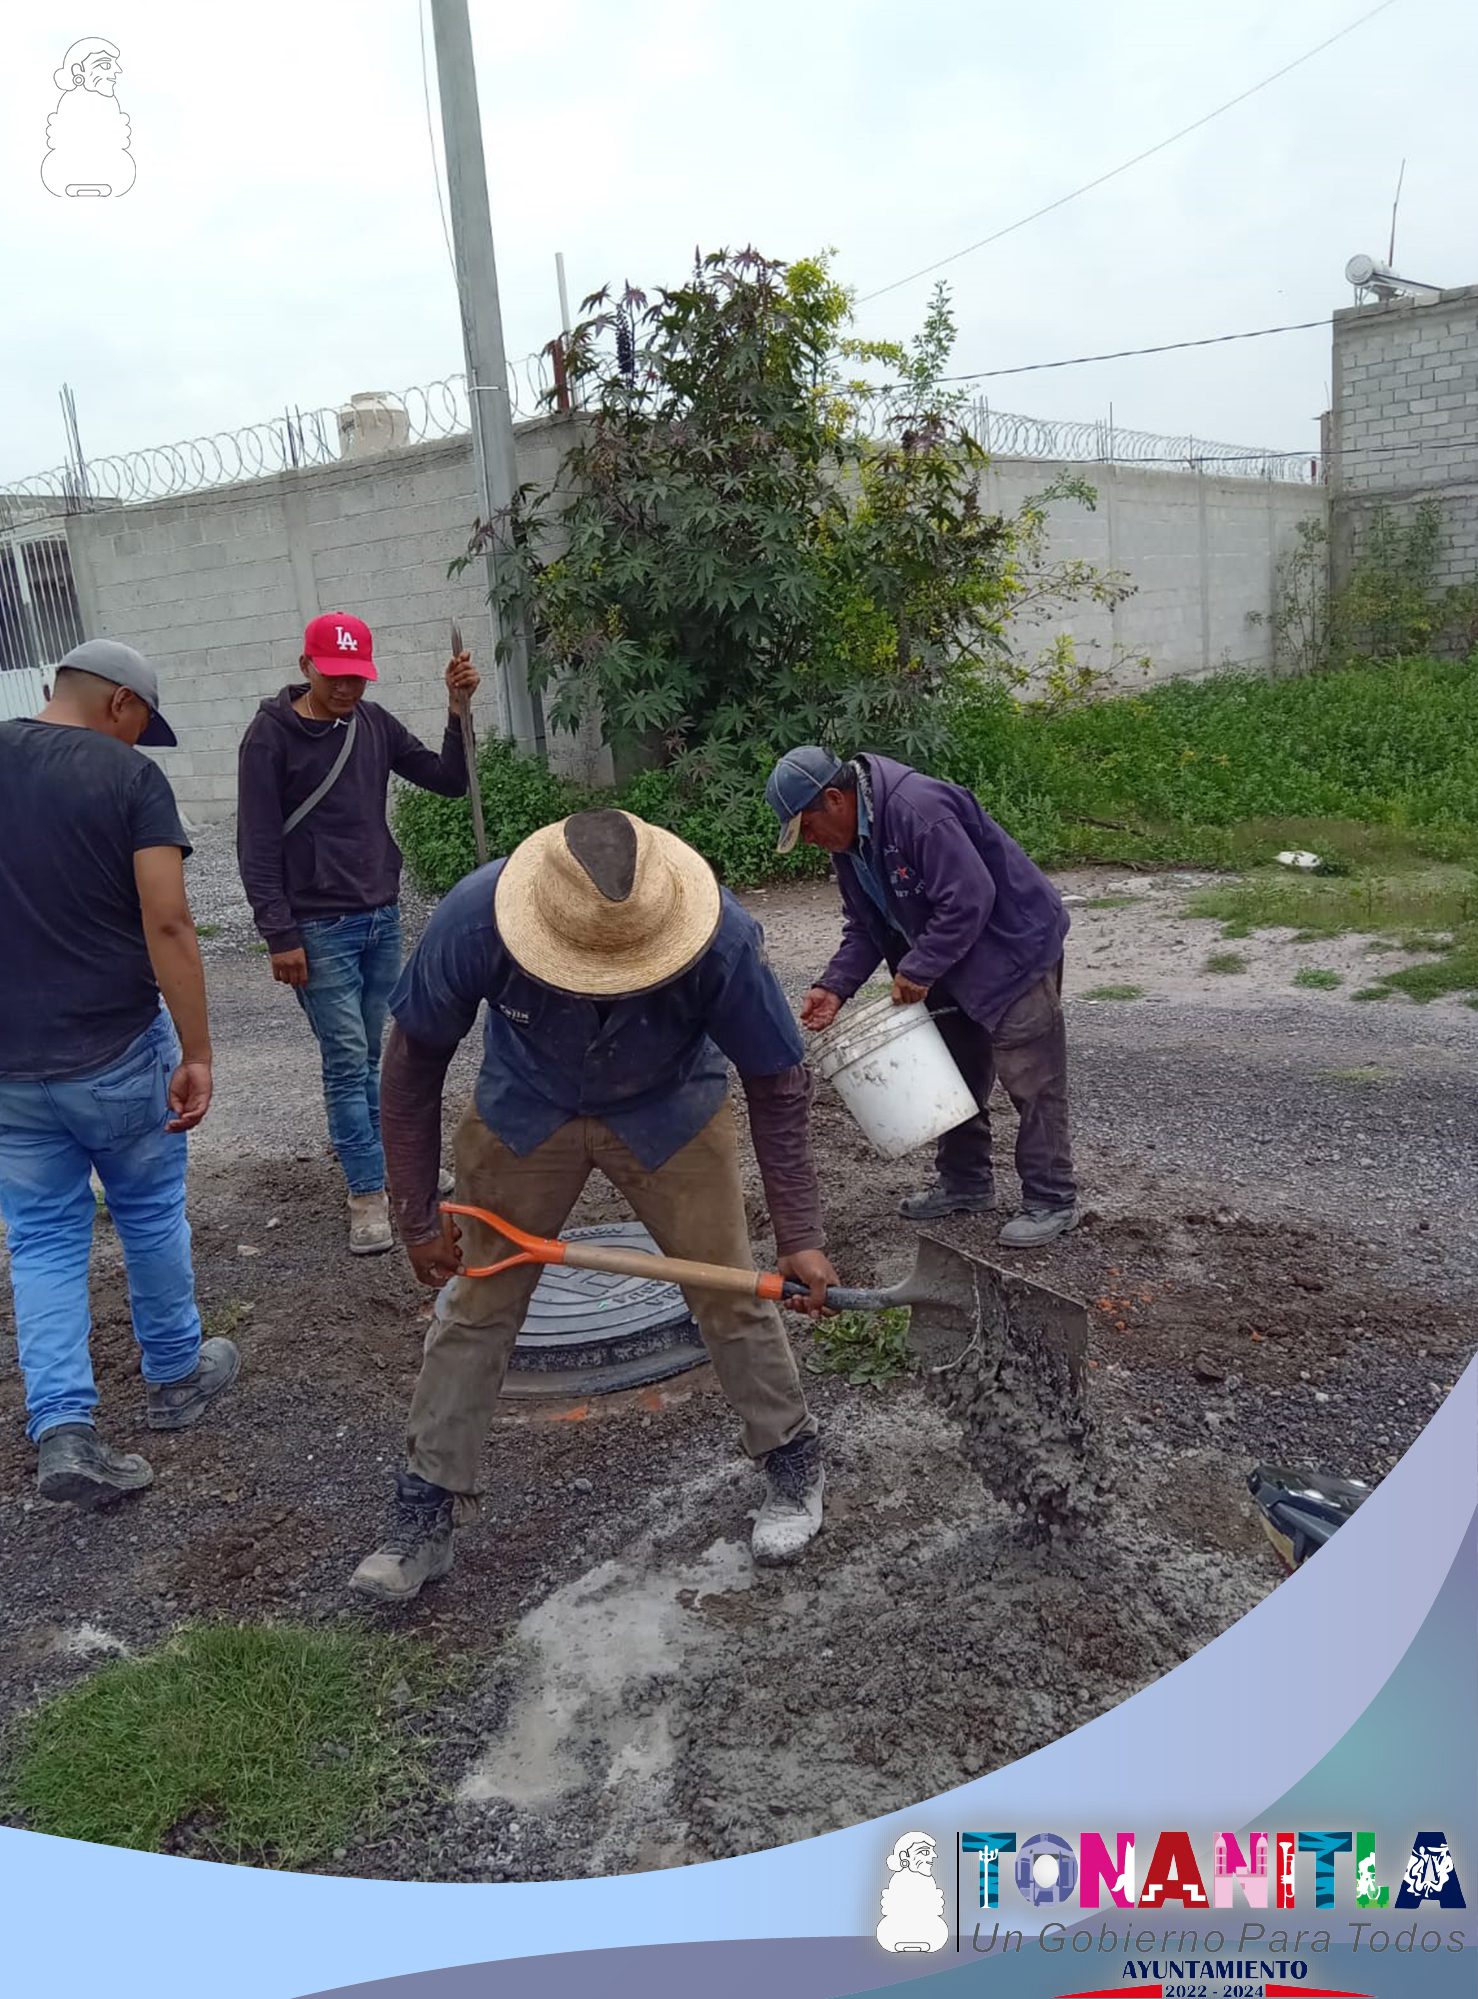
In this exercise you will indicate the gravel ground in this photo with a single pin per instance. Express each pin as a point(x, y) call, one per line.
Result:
point(1277, 1264)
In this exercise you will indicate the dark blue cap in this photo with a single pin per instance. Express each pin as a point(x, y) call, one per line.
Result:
point(794, 786)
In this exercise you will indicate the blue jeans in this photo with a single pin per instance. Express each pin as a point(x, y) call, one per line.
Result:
point(353, 963)
point(52, 1135)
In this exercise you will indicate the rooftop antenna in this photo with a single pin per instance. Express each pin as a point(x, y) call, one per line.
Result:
point(1391, 253)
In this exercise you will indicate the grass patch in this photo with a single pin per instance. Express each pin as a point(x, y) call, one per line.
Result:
point(1365, 994)
point(1316, 906)
point(1115, 993)
point(1235, 931)
point(868, 1349)
point(237, 1743)
point(1225, 961)
point(207, 930)
point(1314, 980)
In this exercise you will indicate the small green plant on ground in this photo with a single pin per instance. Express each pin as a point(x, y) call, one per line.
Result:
point(1367, 993)
point(1226, 961)
point(1314, 979)
point(868, 1349)
point(232, 1742)
point(221, 1321)
point(1115, 993)
point(207, 930)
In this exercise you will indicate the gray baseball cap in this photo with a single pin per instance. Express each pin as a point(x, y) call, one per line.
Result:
point(110, 660)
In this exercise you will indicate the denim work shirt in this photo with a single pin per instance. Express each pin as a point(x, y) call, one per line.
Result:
point(651, 1067)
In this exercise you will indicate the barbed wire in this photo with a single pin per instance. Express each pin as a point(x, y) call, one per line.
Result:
point(302, 438)
point(285, 443)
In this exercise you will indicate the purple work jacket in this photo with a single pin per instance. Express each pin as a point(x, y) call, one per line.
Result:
point(968, 913)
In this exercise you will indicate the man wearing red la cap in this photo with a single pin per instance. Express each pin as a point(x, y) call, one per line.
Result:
point(322, 872)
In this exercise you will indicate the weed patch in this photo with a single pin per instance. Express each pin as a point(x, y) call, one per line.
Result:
point(1226, 961)
point(1315, 980)
point(1115, 993)
point(868, 1349)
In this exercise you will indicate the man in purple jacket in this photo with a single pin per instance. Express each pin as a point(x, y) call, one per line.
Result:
point(322, 873)
point(967, 923)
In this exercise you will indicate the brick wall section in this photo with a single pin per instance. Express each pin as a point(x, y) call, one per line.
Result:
point(216, 588)
point(1404, 424)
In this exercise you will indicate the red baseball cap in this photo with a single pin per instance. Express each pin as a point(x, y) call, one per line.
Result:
point(339, 643)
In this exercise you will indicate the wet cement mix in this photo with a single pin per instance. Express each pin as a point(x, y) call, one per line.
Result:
point(638, 1694)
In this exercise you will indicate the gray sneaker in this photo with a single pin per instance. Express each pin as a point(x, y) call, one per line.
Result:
point(418, 1548)
point(176, 1405)
point(1035, 1226)
point(75, 1465)
point(936, 1200)
point(790, 1517)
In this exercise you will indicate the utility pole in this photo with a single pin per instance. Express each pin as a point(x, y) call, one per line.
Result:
point(493, 459)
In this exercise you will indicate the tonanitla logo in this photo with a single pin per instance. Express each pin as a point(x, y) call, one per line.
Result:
point(1257, 1868)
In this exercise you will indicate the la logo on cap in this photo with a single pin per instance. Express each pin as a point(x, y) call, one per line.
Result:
point(346, 640)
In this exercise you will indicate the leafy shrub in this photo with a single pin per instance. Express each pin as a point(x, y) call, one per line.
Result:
point(519, 794)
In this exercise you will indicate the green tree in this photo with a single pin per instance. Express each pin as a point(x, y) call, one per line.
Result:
point(752, 540)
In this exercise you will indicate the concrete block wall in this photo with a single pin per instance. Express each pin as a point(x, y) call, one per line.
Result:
point(216, 588)
point(1202, 553)
point(1404, 423)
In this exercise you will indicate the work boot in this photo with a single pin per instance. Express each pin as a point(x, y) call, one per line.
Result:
point(929, 1203)
point(75, 1464)
point(369, 1224)
point(178, 1405)
point(790, 1517)
point(418, 1548)
point(1035, 1226)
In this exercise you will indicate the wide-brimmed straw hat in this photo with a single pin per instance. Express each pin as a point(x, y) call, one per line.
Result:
point(604, 905)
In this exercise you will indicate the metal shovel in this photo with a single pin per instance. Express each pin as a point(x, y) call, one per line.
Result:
point(960, 1305)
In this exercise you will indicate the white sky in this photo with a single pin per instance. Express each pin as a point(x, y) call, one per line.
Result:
point(282, 243)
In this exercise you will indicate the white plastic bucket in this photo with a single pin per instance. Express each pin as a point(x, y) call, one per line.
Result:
point(891, 1069)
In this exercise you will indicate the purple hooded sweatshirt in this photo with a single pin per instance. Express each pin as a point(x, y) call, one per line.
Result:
point(967, 910)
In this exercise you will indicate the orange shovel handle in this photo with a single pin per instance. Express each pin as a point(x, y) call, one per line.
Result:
point(616, 1262)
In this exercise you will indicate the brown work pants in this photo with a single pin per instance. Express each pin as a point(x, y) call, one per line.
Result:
point(1027, 1049)
point(692, 1205)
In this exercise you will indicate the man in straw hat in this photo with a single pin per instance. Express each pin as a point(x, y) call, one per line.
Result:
point(618, 978)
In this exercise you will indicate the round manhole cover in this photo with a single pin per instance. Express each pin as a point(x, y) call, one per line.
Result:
point(587, 1333)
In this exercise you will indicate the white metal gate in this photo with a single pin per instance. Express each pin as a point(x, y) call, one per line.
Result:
point(39, 618)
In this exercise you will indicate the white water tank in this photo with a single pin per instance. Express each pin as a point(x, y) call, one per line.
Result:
point(372, 422)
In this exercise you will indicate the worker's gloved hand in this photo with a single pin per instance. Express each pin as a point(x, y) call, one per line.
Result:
point(907, 991)
point(462, 679)
point(189, 1095)
point(290, 968)
point(813, 1268)
point(436, 1262)
point(819, 1009)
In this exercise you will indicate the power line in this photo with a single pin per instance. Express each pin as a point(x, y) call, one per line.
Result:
point(1148, 153)
point(446, 233)
point(1127, 353)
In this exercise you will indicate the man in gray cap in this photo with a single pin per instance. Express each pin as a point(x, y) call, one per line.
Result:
point(94, 1074)
point(968, 923)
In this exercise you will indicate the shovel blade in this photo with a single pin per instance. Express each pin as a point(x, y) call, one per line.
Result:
point(955, 1297)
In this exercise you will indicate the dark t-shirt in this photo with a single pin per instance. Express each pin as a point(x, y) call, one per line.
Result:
point(77, 986)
